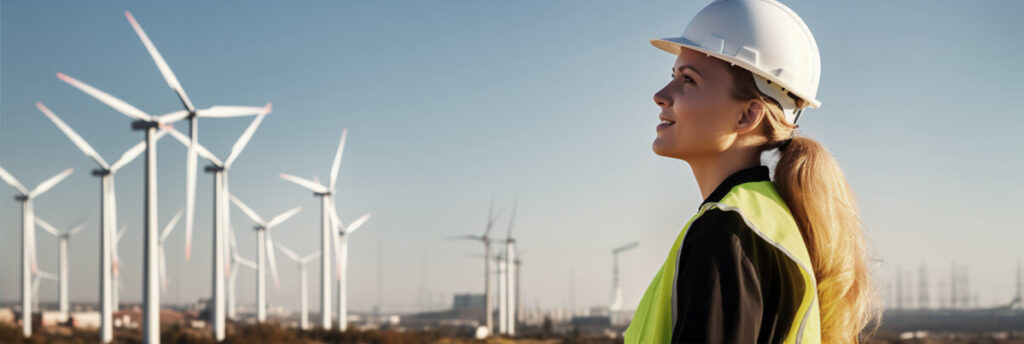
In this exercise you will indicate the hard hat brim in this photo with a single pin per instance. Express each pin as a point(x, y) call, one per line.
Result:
point(673, 45)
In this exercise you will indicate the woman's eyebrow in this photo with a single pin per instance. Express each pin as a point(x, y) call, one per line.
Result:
point(680, 69)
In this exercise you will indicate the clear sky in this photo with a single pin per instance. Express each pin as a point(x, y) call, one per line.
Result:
point(451, 103)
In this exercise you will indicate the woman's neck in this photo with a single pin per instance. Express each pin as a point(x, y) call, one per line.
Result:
point(712, 171)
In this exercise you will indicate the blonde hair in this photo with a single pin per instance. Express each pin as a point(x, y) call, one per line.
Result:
point(825, 209)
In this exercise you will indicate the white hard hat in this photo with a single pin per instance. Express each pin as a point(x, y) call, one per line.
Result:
point(762, 36)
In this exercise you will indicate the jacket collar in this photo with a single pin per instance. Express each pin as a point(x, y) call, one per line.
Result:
point(750, 174)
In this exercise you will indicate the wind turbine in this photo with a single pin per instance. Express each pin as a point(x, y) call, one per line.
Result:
point(326, 194)
point(341, 254)
point(40, 275)
point(264, 240)
point(28, 238)
point(163, 257)
point(616, 299)
point(486, 240)
point(115, 291)
point(62, 245)
point(221, 213)
point(236, 260)
point(510, 275)
point(108, 212)
point(303, 298)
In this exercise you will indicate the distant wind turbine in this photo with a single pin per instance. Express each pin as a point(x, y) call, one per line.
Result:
point(236, 261)
point(303, 298)
point(163, 257)
point(62, 249)
point(28, 238)
point(265, 241)
point(341, 254)
point(486, 240)
point(326, 194)
point(40, 275)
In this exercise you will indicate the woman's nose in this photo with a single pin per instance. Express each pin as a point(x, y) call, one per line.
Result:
point(661, 99)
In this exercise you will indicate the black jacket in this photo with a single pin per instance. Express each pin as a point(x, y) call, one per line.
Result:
point(728, 283)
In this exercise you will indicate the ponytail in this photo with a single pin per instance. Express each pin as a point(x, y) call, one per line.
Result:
point(825, 210)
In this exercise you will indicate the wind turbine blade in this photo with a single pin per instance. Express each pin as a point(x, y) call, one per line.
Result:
point(289, 253)
point(467, 236)
point(231, 241)
point(160, 63)
point(352, 227)
point(74, 230)
point(248, 212)
point(337, 159)
point(170, 225)
point(490, 218)
point(244, 139)
point(9, 179)
point(120, 233)
point(49, 183)
point(47, 275)
point(71, 134)
point(273, 261)
point(199, 147)
point(315, 187)
point(128, 156)
point(284, 216)
point(48, 227)
point(332, 214)
point(512, 219)
point(247, 263)
point(111, 101)
point(225, 111)
point(310, 257)
point(173, 116)
point(163, 269)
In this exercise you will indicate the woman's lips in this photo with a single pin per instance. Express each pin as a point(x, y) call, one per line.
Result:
point(665, 124)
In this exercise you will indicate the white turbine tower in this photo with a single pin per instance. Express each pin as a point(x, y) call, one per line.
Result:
point(264, 241)
point(108, 213)
point(486, 240)
point(616, 300)
point(115, 292)
point(326, 194)
point(40, 275)
point(341, 255)
point(163, 256)
point(303, 294)
point(236, 260)
point(28, 238)
point(62, 249)
point(510, 276)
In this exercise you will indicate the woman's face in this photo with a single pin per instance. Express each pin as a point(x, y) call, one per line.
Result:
point(698, 115)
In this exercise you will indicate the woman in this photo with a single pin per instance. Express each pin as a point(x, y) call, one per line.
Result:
point(762, 261)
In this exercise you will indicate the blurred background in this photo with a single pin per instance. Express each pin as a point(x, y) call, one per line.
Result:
point(450, 105)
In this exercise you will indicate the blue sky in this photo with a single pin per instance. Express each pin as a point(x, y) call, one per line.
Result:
point(451, 103)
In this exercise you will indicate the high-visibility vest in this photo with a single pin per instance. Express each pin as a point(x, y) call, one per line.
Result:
point(766, 213)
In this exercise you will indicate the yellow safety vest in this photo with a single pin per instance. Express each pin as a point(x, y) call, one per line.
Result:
point(764, 211)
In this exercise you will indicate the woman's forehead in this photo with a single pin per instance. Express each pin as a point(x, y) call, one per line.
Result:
point(703, 63)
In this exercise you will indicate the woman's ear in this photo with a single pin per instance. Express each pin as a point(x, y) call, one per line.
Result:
point(751, 117)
